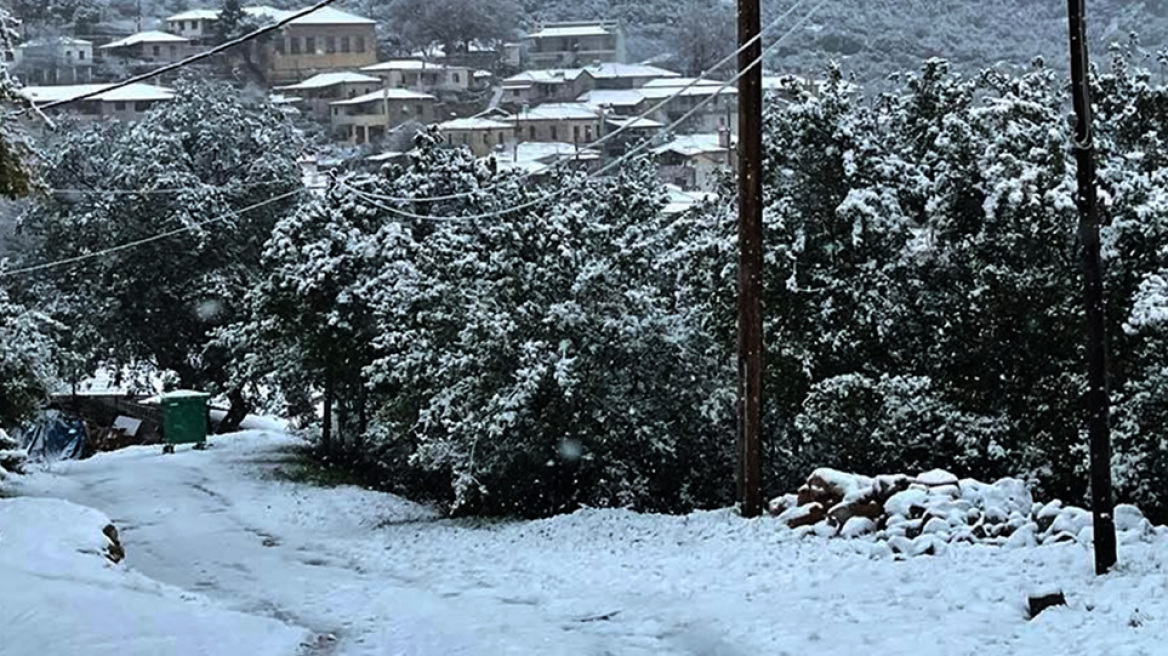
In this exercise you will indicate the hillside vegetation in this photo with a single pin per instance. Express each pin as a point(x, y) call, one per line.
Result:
point(872, 38)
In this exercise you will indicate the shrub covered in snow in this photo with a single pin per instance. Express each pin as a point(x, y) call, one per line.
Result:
point(923, 296)
point(537, 360)
point(920, 515)
point(12, 458)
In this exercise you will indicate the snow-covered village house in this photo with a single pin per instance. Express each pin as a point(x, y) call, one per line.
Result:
point(150, 46)
point(573, 123)
point(482, 135)
point(53, 60)
point(127, 103)
point(574, 44)
point(326, 40)
point(695, 161)
point(319, 91)
point(540, 86)
point(369, 117)
point(721, 110)
point(423, 76)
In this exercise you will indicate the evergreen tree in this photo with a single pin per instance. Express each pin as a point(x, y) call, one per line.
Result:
point(158, 304)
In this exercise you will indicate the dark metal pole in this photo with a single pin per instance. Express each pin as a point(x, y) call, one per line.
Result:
point(750, 234)
point(1098, 404)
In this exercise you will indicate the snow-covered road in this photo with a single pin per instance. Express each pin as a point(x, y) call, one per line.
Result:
point(387, 577)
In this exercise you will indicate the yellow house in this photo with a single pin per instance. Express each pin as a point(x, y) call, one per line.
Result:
point(483, 136)
point(326, 40)
point(368, 117)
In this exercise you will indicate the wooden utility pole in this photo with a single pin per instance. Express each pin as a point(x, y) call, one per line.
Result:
point(1098, 404)
point(750, 342)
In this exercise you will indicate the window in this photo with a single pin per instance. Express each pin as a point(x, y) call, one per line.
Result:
point(360, 44)
point(119, 107)
point(588, 133)
point(81, 55)
point(575, 133)
point(141, 106)
point(486, 138)
point(345, 44)
point(554, 135)
point(68, 54)
point(531, 131)
point(330, 44)
point(294, 44)
point(279, 45)
point(457, 78)
point(420, 111)
point(157, 50)
point(310, 45)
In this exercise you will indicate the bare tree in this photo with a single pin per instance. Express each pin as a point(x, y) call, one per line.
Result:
point(703, 33)
point(455, 24)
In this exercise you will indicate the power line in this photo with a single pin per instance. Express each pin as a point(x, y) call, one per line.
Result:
point(227, 45)
point(370, 196)
point(161, 190)
point(633, 120)
point(147, 240)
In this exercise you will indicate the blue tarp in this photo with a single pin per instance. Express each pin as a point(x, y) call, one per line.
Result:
point(53, 436)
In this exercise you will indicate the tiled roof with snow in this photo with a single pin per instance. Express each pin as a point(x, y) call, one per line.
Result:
point(613, 97)
point(196, 14)
point(702, 88)
point(548, 151)
point(55, 41)
point(132, 93)
point(322, 16)
point(544, 76)
point(474, 124)
point(675, 82)
point(557, 112)
point(325, 80)
point(411, 65)
point(634, 122)
point(588, 29)
point(616, 70)
point(152, 36)
point(689, 145)
point(391, 94)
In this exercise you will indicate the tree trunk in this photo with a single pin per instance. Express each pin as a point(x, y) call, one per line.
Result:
point(326, 431)
point(236, 414)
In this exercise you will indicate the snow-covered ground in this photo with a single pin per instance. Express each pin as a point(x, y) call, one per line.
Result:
point(224, 557)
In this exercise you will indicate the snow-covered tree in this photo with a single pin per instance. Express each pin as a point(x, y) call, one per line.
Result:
point(531, 362)
point(205, 164)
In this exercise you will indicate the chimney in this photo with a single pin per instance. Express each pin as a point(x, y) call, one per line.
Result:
point(724, 137)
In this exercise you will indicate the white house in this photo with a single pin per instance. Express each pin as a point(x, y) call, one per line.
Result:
point(126, 103)
point(54, 60)
point(151, 46)
point(420, 75)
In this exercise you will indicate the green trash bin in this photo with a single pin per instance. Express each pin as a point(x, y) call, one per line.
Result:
point(184, 419)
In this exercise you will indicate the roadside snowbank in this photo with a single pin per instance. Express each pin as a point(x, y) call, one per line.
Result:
point(61, 594)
